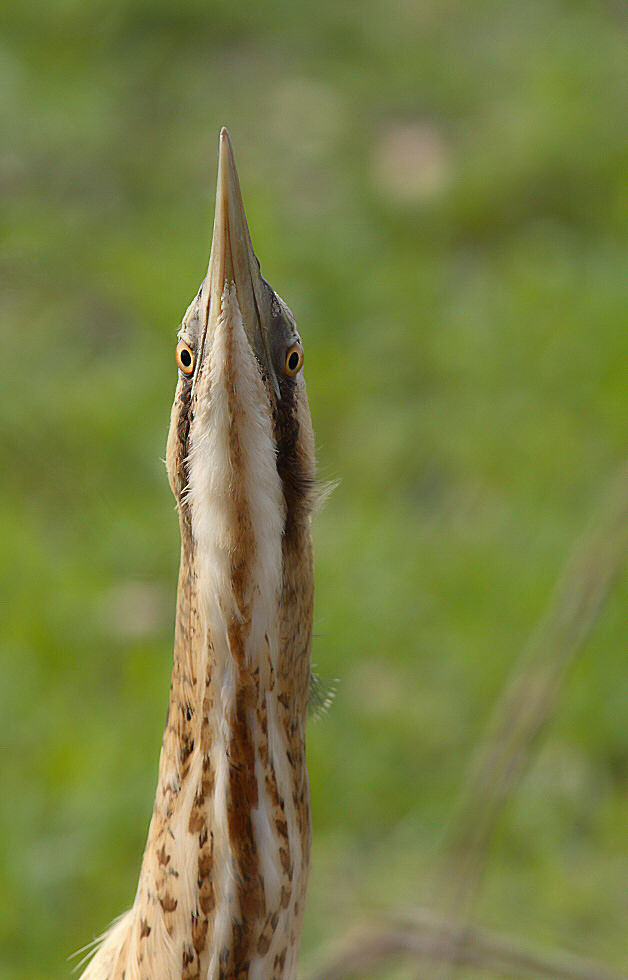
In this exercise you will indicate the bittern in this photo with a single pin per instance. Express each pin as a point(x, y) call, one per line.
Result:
point(224, 875)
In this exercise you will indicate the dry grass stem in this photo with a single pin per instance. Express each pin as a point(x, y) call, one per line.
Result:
point(526, 705)
point(427, 936)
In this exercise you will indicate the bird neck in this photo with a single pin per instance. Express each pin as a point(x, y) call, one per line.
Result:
point(224, 875)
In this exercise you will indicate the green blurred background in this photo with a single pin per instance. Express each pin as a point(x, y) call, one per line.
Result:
point(440, 192)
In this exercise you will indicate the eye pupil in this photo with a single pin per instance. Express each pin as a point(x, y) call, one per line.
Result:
point(186, 358)
point(293, 361)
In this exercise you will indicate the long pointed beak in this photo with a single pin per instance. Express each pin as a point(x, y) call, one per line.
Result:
point(232, 260)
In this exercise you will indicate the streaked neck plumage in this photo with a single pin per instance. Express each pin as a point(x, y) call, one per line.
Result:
point(224, 875)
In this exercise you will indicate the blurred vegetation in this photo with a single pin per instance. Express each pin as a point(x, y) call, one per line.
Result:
point(440, 192)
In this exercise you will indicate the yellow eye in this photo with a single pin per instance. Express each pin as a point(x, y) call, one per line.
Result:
point(184, 358)
point(294, 360)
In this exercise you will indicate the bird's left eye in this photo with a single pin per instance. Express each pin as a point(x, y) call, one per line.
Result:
point(184, 358)
point(294, 360)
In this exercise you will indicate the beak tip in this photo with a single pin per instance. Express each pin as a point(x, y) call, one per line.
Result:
point(226, 164)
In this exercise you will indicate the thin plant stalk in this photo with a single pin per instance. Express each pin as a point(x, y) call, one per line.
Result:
point(427, 936)
point(525, 708)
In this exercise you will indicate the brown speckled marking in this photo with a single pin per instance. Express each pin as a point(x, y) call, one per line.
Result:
point(168, 903)
point(243, 796)
point(243, 790)
point(199, 933)
point(280, 959)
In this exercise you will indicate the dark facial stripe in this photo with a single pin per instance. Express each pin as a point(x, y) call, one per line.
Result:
point(298, 484)
point(179, 475)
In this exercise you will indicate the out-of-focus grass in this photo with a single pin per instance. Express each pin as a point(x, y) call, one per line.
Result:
point(439, 191)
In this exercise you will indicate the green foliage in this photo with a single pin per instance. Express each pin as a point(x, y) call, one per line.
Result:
point(439, 191)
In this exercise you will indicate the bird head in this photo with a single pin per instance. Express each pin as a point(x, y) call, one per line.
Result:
point(240, 450)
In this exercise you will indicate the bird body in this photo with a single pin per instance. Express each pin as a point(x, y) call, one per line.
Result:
point(224, 875)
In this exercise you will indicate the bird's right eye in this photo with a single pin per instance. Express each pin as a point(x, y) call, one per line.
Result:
point(294, 360)
point(184, 358)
